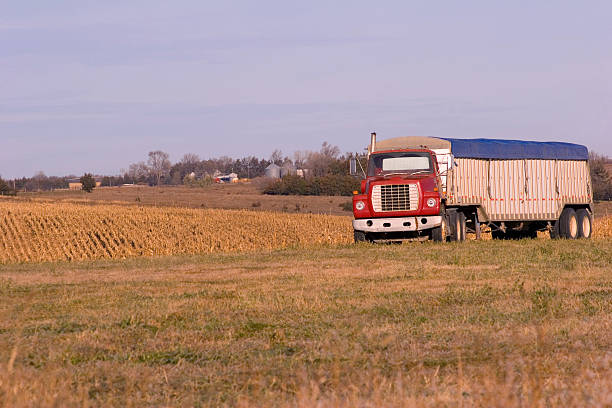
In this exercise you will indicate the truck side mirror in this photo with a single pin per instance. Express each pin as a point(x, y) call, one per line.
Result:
point(353, 166)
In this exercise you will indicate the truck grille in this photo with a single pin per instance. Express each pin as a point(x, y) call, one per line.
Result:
point(395, 197)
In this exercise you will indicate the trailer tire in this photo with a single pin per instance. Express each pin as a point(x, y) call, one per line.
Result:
point(359, 236)
point(585, 223)
point(568, 224)
point(440, 233)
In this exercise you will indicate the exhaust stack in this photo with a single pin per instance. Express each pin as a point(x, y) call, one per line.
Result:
point(373, 142)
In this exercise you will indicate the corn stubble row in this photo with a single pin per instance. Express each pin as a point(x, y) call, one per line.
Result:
point(603, 227)
point(38, 232)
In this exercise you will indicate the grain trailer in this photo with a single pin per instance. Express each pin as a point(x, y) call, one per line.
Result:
point(441, 188)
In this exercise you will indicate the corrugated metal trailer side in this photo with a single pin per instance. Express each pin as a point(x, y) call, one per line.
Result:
point(519, 190)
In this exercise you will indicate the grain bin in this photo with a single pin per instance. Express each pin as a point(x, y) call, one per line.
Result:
point(273, 171)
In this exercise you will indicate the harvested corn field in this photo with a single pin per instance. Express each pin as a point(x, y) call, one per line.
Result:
point(41, 232)
point(603, 227)
point(37, 232)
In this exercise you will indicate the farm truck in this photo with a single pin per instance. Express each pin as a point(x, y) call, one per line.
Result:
point(418, 188)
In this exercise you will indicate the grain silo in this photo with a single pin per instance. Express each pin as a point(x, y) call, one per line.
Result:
point(273, 171)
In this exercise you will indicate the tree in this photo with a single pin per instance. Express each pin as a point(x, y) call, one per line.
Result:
point(300, 157)
point(320, 163)
point(329, 151)
point(138, 171)
point(88, 182)
point(4, 188)
point(602, 183)
point(190, 159)
point(277, 157)
point(159, 165)
point(39, 180)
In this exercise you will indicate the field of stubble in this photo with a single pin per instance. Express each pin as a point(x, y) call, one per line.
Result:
point(523, 323)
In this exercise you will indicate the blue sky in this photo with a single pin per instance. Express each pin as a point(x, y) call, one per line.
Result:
point(95, 85)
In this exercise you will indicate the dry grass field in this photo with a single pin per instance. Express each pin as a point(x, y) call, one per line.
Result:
point(524, 323)
point(274, 309)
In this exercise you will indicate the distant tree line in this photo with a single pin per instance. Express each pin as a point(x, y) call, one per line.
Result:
point(158, 170)
point(193, 171)
point(329, 185)
point(40, 182)
point(325, 173)
point(5, 189)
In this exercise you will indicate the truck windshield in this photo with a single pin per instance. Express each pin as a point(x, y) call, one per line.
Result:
point(382, 164)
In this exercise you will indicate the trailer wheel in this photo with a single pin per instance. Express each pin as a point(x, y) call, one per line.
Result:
point(585, 223)
point(440, 233)
point(568, 224)
point(359, 236)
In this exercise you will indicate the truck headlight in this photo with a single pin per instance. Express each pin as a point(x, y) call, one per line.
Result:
point(431, 202)
point(359, 205)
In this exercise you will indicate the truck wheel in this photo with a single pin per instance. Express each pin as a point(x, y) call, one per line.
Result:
point(440, 233)
point(585, 223)
point(568, 224)
point(462, 221)
point(457, 229)
point(359, 236)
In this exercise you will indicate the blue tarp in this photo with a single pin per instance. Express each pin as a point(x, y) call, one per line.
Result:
point(516, 149)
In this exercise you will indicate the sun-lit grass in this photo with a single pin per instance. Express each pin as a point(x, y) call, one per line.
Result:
point(524, 323)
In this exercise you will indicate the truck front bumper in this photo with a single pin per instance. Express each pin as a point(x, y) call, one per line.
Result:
point(397, 224)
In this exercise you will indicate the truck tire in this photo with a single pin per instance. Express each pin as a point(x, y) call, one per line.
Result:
point(568, 224)
point(359, 236)
point(462, 221)
point(440, 233)
point(457, 226)
point(585, 223)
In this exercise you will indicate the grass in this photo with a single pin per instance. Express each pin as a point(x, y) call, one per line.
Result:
point(523, 323)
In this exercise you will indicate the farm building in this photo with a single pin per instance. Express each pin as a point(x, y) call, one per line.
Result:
point(273, 171)
point(229, 178)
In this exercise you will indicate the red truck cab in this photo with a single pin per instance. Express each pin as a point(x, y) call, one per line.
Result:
point(400, 198)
